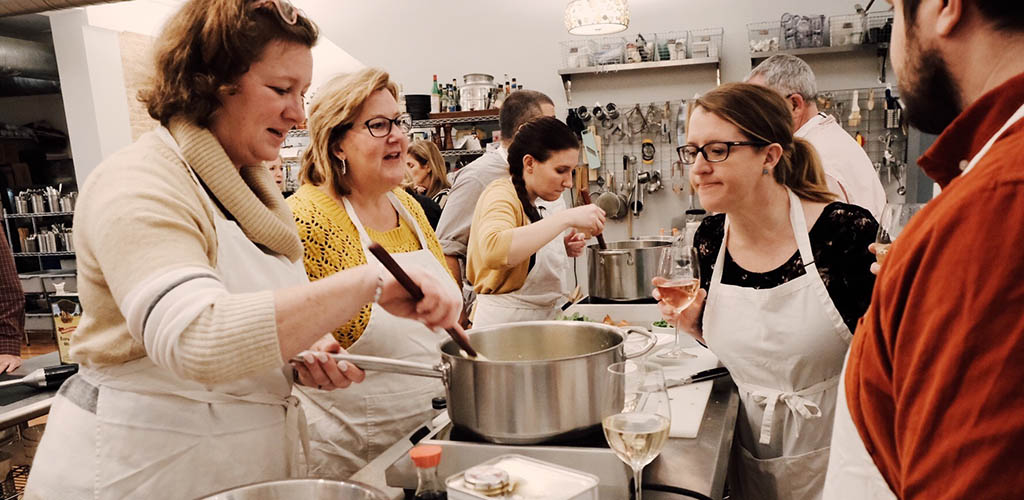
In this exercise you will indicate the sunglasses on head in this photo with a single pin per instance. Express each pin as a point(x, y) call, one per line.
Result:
point(285, 9)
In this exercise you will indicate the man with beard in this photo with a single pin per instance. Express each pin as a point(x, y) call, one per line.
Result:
point(933, 406)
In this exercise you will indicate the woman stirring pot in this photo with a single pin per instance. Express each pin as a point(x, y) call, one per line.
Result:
point(788, 282)
point(517, 262)
point(190, 274)
point(350, 198)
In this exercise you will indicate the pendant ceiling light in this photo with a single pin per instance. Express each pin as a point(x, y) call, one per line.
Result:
point(596, 17)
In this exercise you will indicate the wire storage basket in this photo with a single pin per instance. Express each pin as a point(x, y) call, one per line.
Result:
point(856, 29)
point(705, 42)
point(764, 36)
point(803, 32)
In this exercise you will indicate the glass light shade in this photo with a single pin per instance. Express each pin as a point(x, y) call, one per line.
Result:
point(596, 17)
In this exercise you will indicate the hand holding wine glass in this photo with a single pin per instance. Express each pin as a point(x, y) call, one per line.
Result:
point(678, 284)
point(640, 430)
point(894, 218)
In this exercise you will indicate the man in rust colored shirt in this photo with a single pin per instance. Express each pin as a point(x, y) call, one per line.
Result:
point(934, 384)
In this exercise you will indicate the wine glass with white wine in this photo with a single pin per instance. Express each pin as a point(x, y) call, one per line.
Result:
point(894, 218)
point(640, 430)
point(677, 281)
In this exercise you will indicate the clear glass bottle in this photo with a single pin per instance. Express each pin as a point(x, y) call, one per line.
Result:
point(429, 486)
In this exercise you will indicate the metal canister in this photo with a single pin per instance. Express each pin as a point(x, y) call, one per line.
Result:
point(21, 204)
point(31, 244)
point(53, 201)
point(475, 91)
point(37, 203)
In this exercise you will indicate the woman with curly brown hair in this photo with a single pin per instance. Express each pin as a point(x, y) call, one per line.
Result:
point(191, 278)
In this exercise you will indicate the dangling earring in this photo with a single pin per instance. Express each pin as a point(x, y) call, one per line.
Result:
point(344, 166)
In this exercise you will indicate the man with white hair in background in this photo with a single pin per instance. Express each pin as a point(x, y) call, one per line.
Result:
point(848, 170)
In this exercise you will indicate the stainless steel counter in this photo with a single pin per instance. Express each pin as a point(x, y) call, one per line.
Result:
point(686, 468)
point(32, 406)
point(699, 465)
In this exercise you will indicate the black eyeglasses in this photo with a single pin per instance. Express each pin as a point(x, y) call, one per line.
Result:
point(713, 152)
point(381, 127)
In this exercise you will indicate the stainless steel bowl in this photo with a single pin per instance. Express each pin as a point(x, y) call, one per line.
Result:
point(306, 489)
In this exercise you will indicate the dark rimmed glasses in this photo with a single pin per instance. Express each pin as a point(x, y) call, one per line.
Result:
point(381, 127)
point(285, 9)
point(713, 152)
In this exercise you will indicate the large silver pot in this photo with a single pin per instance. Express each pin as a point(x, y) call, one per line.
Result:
point(306, 489)
point(624, 271)
point(475, 90)
point(541, 379)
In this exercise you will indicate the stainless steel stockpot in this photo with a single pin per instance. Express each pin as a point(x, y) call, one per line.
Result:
point(306, 489)
point(541, 379)
point(625, 269)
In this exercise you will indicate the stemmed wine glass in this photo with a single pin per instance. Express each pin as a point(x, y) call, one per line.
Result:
point(639, 431)
point(894, 218)
point(677, 281)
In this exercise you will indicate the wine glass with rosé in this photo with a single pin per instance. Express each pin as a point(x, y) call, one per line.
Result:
point(677, 281)
point(894, 218)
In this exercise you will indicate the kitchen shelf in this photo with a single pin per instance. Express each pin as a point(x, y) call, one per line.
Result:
point(448, 153)
point(43, 254)
point(872, 48)
point(454, 121)
point(37, 215)
point(613, 68)
point(38, 315)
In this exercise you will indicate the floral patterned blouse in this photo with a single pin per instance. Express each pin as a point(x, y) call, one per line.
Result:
point(839, 244)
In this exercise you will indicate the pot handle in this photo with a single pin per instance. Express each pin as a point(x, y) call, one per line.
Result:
point(603, 253)
point(391, 365)
point(651, 341)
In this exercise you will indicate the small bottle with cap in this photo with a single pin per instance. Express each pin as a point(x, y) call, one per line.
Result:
point(428, 487)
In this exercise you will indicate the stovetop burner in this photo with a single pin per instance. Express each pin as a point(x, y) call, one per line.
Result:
point(591, 437)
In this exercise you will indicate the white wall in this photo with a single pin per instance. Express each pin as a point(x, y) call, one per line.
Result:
point(25, 109)
point(92, 77)
point(414, 40)
point(92, 83)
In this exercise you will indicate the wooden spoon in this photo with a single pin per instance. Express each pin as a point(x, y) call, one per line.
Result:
point(457, 333)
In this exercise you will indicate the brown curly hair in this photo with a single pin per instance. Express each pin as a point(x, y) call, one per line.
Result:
point(206, 47)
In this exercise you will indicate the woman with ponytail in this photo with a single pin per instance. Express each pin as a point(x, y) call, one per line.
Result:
point(516, 260)
point(193, 290)
point(784, 280)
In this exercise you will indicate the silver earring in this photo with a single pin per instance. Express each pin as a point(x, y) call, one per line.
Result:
point(344, 166)
point(764, 171)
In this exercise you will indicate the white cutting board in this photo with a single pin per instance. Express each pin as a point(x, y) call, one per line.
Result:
point(688, 401)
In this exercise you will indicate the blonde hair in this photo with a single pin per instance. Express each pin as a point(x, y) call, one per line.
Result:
point(426, 153)
point(761, 115)
point(332, 113)
point(206, 47)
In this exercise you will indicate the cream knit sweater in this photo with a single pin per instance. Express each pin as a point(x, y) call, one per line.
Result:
point(141, 216)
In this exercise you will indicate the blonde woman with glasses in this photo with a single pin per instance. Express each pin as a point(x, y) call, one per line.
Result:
point(351, 197)
point(192, 282)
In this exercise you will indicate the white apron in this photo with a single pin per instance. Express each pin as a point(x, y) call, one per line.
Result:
point(784, 347)
point(350, 427)
point(154, 435)
point(541, 295)
point(852, 473)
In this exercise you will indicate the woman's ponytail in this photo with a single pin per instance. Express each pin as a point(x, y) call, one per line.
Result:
point(800, 170)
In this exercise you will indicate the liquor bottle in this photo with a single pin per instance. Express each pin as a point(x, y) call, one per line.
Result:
point(508, 88)
point(455, 95)
point(435, 97)
point(401, 100)
point(514, 84)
